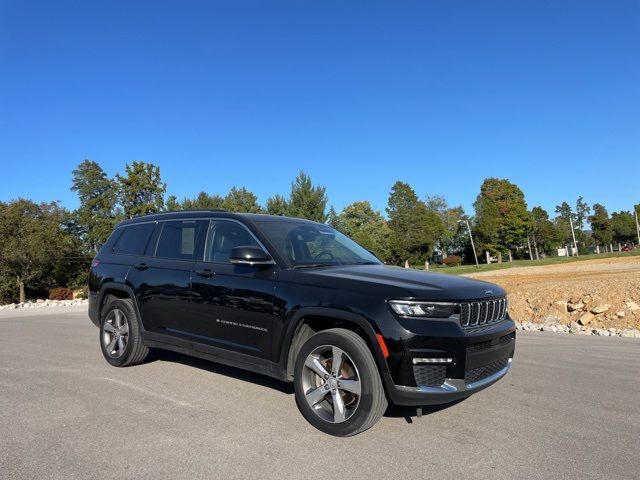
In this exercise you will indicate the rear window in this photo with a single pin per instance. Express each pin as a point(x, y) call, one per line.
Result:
point(133, 239)
point(178, 239)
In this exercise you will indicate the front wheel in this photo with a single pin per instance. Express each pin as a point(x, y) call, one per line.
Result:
point(337, 384)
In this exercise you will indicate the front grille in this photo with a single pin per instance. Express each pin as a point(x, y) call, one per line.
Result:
point(506, 338)
point(478, 347)
point(475, 374)
point(473, 314)
point(429, 375)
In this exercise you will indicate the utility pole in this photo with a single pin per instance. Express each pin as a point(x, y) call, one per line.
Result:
point(573, 234)
point(473, 247)
point(635, 213)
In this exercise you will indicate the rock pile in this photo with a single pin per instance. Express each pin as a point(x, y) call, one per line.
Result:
point(553, 324)
point(44, 303)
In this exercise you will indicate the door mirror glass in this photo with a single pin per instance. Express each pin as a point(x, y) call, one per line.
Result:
point(250, 255)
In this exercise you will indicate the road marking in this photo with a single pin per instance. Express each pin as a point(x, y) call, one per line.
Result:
point(151, 393)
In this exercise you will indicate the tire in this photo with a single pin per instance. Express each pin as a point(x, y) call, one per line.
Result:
point(120, 339)
point(331, 403)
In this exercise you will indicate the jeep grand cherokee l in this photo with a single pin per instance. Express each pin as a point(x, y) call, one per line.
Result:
point(301, 302)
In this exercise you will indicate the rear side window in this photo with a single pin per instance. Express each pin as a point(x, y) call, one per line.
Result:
point(178, 239)
point(133, 239)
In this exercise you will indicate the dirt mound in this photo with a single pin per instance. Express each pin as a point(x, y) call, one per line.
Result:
point(602, 293)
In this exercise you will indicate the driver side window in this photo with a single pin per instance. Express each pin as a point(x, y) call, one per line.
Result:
point(224, 236)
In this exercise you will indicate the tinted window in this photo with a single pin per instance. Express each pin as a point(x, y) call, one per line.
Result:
point(133, 239)
point(178, 239)
point(223, 237)
point(309, 244)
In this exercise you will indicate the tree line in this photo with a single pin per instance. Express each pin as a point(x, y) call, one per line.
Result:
point(43, 245)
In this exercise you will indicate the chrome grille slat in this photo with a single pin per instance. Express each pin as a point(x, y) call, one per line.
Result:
point(473, 314)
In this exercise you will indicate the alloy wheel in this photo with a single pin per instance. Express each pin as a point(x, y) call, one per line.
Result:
point(331, 384)
point(115, 333)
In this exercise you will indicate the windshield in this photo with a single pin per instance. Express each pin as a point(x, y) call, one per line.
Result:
point(311, 245)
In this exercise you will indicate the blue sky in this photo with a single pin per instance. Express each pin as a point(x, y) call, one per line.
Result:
point(357, 94)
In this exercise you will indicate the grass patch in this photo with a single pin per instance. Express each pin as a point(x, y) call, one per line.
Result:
point(462, 269)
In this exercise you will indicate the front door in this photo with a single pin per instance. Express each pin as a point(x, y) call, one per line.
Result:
point(233, 304)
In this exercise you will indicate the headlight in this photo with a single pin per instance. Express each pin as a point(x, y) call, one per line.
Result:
point(423, 309)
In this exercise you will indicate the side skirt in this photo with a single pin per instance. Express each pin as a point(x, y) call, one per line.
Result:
point(219, 355)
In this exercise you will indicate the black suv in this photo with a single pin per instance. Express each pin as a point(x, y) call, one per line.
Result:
point(301, 302)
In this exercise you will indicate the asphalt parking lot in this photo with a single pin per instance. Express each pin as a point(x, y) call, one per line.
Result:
point(569, 408)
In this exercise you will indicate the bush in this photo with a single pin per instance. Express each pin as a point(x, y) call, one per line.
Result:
point(61, 293)
point(452, 261)
point(81, 293)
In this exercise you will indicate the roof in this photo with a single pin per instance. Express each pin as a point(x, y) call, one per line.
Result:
point(208, 213)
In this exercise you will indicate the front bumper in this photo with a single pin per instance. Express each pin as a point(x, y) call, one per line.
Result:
point(474, 361)
point(451, 390)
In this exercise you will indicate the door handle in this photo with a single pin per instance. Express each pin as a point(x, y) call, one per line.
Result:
point(205, 273)
point(141, 266)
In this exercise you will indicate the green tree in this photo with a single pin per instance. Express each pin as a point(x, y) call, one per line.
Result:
point(601, 225)
point(241, 200)
point(543, 233)
point(306, 200)
point(332, 218)
point(624, 227)
point(203, 201)
point(486, 226)
point(451, 236)
point(32, 240)
point(277, 205)
point(366, 227)
point(502, 198)
point(582, 215)
point(172, 204)
point(98, 194)
point(563, 221)
point(414, 229)
point(141, 189)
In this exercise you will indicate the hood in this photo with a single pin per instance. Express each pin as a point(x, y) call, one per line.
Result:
point(398, 282)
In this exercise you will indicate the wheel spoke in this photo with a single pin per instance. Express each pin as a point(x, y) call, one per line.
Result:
point(314, 364)
point(352, 386)
point(112, 344)
point(118, 318)
point(108, 327)
point(120, 345)
point(338, 407)
point(124, 329)
point(336, 361)
point(316, 395)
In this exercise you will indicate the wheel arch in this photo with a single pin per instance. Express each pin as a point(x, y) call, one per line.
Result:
point(113, 290)
point(310, 320)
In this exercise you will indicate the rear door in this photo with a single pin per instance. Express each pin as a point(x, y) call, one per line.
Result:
point(163, 277)
point(233, 304)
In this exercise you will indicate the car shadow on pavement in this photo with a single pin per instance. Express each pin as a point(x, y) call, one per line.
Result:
point(409, 413)
point(220, 369)
point(393, 411)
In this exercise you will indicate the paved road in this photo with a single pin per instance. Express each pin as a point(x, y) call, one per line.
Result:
point(570, 408)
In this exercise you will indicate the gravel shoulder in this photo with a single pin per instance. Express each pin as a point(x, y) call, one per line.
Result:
point(540, 293)
point(568, 409)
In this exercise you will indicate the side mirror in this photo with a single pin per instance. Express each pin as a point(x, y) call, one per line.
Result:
point(251, 256)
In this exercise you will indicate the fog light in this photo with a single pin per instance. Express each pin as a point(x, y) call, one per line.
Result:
point(432, 360)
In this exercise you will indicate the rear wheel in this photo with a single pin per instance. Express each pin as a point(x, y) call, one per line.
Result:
point(337, 384)
point(120, 338)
